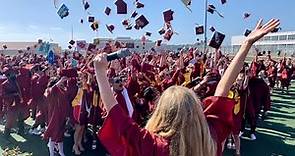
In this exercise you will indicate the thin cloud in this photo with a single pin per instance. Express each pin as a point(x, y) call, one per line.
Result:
point(33, 27)
point(56, 28)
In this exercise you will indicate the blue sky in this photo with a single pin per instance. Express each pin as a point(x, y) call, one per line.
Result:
point(28, 20)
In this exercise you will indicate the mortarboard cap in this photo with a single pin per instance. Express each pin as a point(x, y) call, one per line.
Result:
point(110, 28)
point(63, 11)
point(91, 18)
point(125, 23)
point(134, 14)
point(148, 33)
point(211, 8)
point(216, 40)
point(141, 22)
point(168, 35)
point(139, 5)
point(86, 5)
point(158, 43)
point(246, 15)
point(276, 30)
point(70, 47)
point(4, 46)
point(72, 42)
point(82, 21)
point(212, 29)
point(168, 15)
point(94, 26)
point(107, 11)
point(129, 27)
point(199, 30)
point(223, 1)
point(121, 7)
point(247, 32)
point(162, 31)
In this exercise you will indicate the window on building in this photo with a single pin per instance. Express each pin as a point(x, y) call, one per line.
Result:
point(274, 38)
point(283, 37)
point(291, 37)
point(266, 38)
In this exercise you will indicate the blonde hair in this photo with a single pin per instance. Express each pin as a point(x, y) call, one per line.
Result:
point(179, 117)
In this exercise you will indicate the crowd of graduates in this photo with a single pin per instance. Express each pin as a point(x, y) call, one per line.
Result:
point(71, 94)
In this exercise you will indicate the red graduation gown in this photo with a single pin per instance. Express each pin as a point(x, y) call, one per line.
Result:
point(121, 136)
point(57, 99)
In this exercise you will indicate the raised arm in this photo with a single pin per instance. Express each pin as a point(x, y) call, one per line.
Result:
point(100, 65)
point(237, 63)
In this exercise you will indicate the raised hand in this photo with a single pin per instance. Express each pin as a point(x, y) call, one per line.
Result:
point(261, 30)
point(100, 62)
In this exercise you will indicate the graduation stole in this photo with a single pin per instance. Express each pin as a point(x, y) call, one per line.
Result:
point(78, 99)
point(95, 101)
point(235, 96)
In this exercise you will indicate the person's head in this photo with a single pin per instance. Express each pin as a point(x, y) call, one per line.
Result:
point(117, 84)
point(179, 117)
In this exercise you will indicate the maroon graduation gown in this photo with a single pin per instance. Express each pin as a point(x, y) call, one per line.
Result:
point(137, 141)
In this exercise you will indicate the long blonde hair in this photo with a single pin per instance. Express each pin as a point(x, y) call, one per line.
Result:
point(179, 117)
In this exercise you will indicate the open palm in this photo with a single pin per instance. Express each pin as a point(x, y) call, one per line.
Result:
point(261, 30)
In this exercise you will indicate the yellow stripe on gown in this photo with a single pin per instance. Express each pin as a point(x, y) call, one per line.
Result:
point(236, 97)
point(78, 98)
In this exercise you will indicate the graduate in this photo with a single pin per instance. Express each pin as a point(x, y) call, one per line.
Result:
point(178, 126)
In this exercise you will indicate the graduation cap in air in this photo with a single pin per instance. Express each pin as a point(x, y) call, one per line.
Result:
point(223, 1)
point(82, 21)
point(107, 11)
point(216, 40)
point(70, 47)
point(121, 7)
point(211, 8)
point(247, 32)
point(167, 36)
point(148, 33)
point(63, 11)
point(276, 30)
point(86, 5)
point(110, 28)
point(72, 42)
point(212, 29)
point(139, 5)
point(141, 22)
point(91, 47)
point(279, 53)
point(94, 26)
point(187, 3)
point(246, 15)
point(162, 31)
point(134, 14)
point(199, 30)
point(125, 23)
point(168, 15)
point(4, 46)
point(129, 27)
point(91, 18)
point(158, 43)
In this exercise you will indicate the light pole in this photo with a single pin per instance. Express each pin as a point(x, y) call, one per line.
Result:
point(205, 25)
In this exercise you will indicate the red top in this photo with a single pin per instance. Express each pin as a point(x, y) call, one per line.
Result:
point(121, 136)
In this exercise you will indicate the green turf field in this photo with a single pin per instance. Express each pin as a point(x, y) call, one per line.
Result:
point(275, 135)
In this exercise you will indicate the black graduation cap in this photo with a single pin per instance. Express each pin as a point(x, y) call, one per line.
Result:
point(276, 29)
point(246, 15)
point(168, 15)
point(107, 11)
point(148, 33)
point(129, 27)
point(199, 30)
point(216, 40)
point(212, 29)
point(72, 42)
point(223, 1)
point(70, 47)
point(110, 28)
point(247, 32)
point(168, 35)
point(279, 53)
point(121, 7)
point(158, 43)
point(4, 46)
point(125, 22)
point(86, 5)
point(91, 47)
point(139, 5)
point(211, 8)
point(91, 18)
point(94, 26)
point(82, 21)
point(141, 22)
point(162, 31)
point(134, 14)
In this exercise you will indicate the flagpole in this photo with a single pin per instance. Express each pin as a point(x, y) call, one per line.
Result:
point(205, 25)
